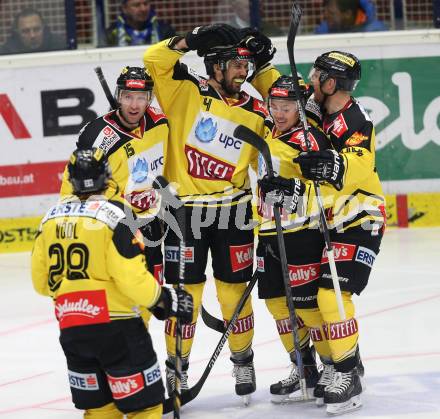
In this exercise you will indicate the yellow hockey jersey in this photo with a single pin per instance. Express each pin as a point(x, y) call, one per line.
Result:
point(135, 157)
point(284, 147)
point(86, 258)
point(351, 133)
point(204, 158)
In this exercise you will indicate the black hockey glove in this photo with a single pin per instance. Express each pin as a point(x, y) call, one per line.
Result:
point(260, 45)
point(282, 192)
point(203, 38)
point(174, 303)
point(325, 165)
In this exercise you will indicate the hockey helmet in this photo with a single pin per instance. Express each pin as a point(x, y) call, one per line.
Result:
point(221, 56)
point(89, 171)
point(283, 88)
point(342, 66)
point(135, 79)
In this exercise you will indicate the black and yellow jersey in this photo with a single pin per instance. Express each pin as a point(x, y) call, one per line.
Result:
point(284, 147)
point(209, 165)
point(135, 157)
point(87, 259)
point(352, 135)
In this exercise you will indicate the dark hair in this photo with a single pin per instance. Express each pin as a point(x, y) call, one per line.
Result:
point(345, 5)
point(27, 11)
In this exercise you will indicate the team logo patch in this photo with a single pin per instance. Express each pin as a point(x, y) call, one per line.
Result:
point(172, 254)
point(152, 374)
point(260, 263)
point(206, 130)
point(303, 274)
point(339, 126)
point(122, 387)
point(241, 256)
point(356, 139)
point(365, 256)
point(204, 166)
point(342, 251)
point(87, 382)
point(298, 138)
point(158, 273)
point(106, 139)
point(81, 308)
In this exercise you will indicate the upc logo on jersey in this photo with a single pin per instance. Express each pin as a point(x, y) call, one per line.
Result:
point(87, 382)
point(172, 254)
point(122, 387)
point(342, 251)
point(365, 256)
point(303, 274)
point(140, 171)
point(152, 374)
point(298, 138)
point(81, 308)
point(241, 256)
point(106, 139)
point(339, 126)
point(206, 130)
point(203, 166)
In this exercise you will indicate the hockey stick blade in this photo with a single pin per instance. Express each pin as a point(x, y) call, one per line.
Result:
point(212, 322)
point(250, 137)
point(192, 393)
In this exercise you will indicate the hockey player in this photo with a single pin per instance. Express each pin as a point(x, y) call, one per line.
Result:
point(87, 260)
point(210, 167)
point(353, 192)
point(134, 138)
point(304, 241)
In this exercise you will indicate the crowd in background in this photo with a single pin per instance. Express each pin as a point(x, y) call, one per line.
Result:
point(138, 23)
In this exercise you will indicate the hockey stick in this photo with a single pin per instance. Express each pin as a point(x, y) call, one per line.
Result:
point(250, 137)
point(161, 183)
point(293, 29)
point(192, 393)
point(212, 322)
point(104, 85)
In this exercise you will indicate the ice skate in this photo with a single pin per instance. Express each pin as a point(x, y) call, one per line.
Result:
point(325, 379)
point(343, 394)
point(170, 376)
point(245, 381)
point(289, 390)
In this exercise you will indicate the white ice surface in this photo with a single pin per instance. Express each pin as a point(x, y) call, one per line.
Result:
point(398, 316)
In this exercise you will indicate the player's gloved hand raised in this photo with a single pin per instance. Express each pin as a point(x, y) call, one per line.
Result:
point(259, 44)
point(203, 38)
point(325, 165)
point(174, 303)
point(282, 192)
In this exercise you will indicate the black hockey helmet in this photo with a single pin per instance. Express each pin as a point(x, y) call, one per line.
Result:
point(283, 88)
point(342, 66)
point(135, 79)
point(221, 56)
point(89, 171)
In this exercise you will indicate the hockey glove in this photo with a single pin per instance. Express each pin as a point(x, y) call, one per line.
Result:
point(325, 165)
point(282, 192)
point(260, 45)
point(203, 38)
point(174, 303)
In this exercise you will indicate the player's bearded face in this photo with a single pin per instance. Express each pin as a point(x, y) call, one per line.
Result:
point(235, 75)
point(133, 105)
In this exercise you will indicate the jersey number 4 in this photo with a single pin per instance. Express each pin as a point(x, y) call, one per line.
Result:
point(75, 258)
